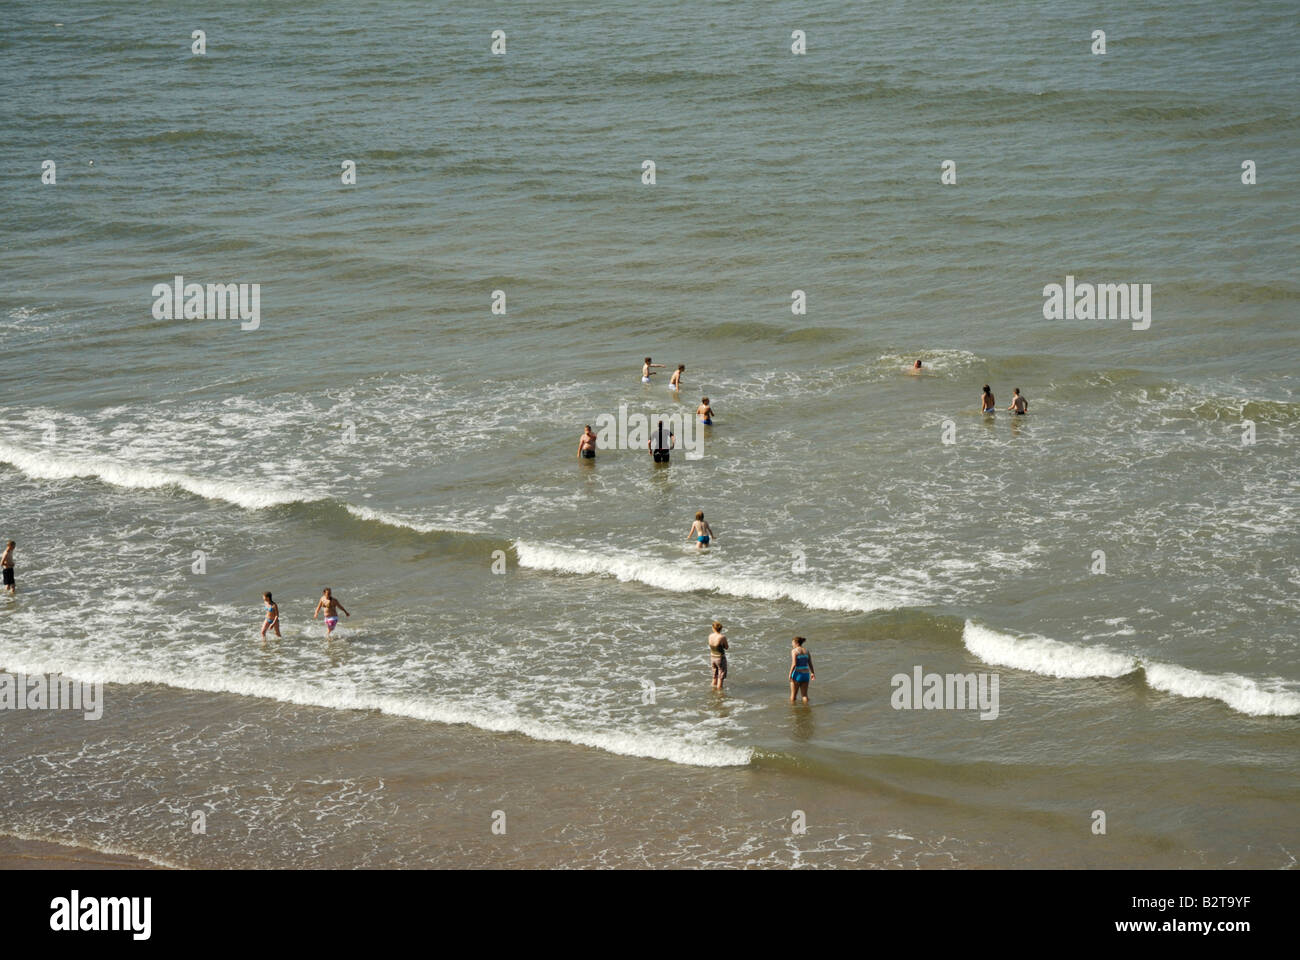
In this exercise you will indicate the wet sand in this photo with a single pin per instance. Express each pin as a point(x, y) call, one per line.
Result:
point(19, 854)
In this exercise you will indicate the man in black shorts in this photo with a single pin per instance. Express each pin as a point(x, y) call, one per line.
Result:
point(661, 442)
point(7, 566)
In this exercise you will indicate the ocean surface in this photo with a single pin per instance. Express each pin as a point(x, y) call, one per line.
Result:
point(527, 639)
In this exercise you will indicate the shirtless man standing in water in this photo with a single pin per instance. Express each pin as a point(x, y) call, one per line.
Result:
point(1018, 403)
point(587, 444)
point(332, 606)
point(646, 372)
point(7, 563)
point(987, 404)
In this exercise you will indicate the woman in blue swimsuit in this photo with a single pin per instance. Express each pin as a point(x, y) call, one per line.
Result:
point(801, 669)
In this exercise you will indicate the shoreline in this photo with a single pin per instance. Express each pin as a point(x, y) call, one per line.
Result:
point(22, 853)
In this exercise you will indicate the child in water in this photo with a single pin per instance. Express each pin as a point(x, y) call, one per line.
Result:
point(701, 532)
point(704, 412)
point(272, 620)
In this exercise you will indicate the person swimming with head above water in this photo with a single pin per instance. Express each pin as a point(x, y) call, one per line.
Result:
point(801, 669)
point(718, 648)
point(647, 372)
point(987, 405)
point(676, 382)
point(701, 532)
point(1019, 404)
point(587, 444)
point(704, 412)
point(331, 605)
point(917, 365)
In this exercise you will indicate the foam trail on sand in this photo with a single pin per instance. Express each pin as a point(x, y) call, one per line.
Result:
point(111, 849)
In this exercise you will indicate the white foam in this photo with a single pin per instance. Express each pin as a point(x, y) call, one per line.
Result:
point(686, 576)
point(933, 360)
point(1040, 655)
point(348, 697)
point(393, 520)
point(110, 849)
point(47, 466)
point(1240, 693)
point(1055, 659)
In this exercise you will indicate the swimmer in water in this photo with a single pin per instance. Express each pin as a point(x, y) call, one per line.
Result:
point(647, 372)
point(676, 382)
point(704, 412)
point(801, 669)
point(1019, 404)
point(986, 400)
point(587, 444)
point(916, 366)
point(718, 648)
point(701, 532)
point(331, 607)
point(272, 619)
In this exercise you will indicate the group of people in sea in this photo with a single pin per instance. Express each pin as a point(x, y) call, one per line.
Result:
point(662, 440)
point(801, 669)
point(660, 444)
point(1019, 405)
point(801, 665)
point(328, 603)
